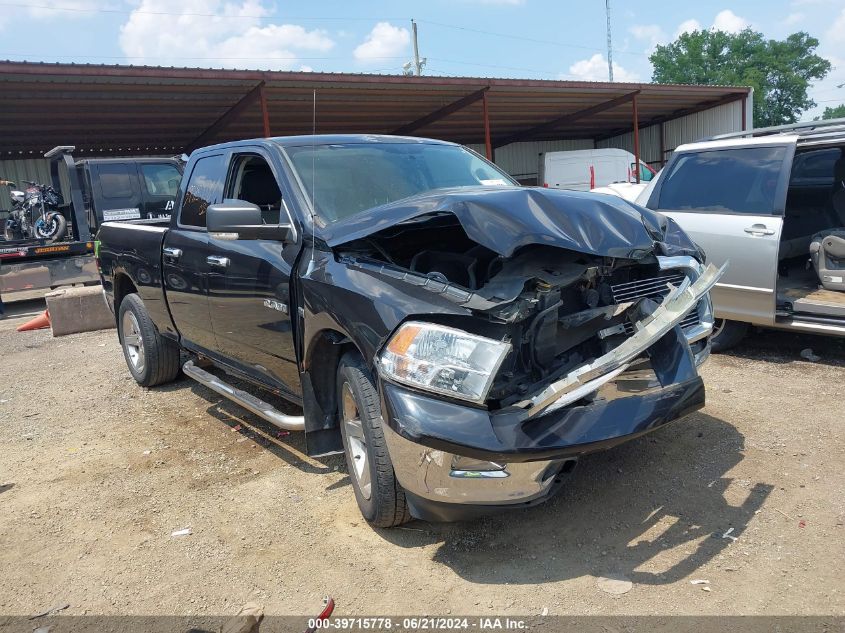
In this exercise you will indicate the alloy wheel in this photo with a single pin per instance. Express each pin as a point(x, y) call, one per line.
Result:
point(356, 443)
point(133, 342)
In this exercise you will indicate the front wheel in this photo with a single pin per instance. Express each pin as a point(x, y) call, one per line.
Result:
point(380, 497)
point(727, 334)
point(151, 358)
point(52, 229)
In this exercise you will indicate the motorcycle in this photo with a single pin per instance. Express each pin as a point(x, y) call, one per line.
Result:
point(34, 213)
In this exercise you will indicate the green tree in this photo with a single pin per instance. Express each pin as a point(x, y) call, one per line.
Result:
point(833, 113)
point(780, 71)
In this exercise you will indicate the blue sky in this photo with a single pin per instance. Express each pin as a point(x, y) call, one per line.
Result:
point(497, 38)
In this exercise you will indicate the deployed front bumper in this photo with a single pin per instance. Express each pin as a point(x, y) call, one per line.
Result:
point(430, 440)
point(455, 459)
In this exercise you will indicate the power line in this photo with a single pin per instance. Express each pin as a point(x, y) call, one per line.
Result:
point(523, 38)
point(192, 15)
point(500, 67)
point(212, 58)
point(311, 18)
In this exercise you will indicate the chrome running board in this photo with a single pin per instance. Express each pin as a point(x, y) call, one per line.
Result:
point(246, 400)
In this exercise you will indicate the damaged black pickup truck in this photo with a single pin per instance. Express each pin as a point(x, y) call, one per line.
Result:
point(462, 340)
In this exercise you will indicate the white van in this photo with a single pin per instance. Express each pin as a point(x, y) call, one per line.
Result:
point(587, 169)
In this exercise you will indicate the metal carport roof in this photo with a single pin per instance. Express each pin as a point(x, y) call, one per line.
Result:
point(105, 109)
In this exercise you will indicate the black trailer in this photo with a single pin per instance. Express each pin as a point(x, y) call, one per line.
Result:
point(100, 190)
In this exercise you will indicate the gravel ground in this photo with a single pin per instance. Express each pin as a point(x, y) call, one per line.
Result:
point(97, 473)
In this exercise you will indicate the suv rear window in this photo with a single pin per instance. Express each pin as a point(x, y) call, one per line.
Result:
point(742, 180)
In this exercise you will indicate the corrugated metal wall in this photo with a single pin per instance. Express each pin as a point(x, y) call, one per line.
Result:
point(522, 160)
point(649, 144)
point(37, 169)
point(718, 120)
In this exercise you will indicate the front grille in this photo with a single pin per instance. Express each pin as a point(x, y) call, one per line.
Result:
point(656, 289)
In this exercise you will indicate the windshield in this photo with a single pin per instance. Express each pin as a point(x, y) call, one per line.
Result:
point(349, 178)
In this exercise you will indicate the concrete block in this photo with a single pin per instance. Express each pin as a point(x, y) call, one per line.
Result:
point(75, 310)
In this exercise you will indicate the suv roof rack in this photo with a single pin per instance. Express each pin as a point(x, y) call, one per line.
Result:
point(805, 128)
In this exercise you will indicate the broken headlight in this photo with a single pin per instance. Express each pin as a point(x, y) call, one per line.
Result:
point(442, 359)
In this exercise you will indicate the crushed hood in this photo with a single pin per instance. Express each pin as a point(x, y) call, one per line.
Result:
point(505, 219)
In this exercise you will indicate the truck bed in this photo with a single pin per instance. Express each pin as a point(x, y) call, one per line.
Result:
point(134, 247)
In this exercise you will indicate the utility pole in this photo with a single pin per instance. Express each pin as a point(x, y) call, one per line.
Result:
point(417, 64)
point(609, 43)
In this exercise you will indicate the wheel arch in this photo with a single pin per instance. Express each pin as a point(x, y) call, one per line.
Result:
point(122, 285)
point(319, 378)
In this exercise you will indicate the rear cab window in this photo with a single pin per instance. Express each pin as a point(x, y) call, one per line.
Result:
point(161, 179)
point(204, 188)
point(731, 180)
point(115, 180)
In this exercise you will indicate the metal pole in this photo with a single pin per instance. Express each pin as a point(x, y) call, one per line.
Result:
point(744, 112)
point(635, 116)
point(488, 144)
point(609, 43)
point(416, 50)
point(265, 114)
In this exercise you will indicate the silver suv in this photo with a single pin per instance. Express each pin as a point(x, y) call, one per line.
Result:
point(771, 202)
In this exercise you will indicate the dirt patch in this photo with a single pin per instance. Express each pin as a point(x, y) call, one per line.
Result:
point(97, 474)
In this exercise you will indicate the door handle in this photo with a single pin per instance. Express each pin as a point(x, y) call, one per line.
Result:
point(759, 229)
point(172, 253)
point(218, 261)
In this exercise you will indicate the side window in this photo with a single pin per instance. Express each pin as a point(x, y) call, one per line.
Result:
point(161, 179)
point(252, 180)
point(815, 168)
point(115, 182)
point(205, 187)
point(741, 180)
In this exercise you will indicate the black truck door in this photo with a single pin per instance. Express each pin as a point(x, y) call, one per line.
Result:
point(186, 251)
point(159, 186)
point(249, 281)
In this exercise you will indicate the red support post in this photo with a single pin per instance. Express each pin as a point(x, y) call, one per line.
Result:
point(265, 114)
point(488, 143)
point(662, 144)
point(636, 121)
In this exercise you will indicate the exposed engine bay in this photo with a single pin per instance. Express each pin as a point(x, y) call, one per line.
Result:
point(558, 308)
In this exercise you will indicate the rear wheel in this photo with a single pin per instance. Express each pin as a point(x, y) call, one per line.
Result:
point(727, 334)
point(380, 497)
point(151, 358)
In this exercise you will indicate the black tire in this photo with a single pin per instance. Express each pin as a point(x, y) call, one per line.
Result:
point(158, 356)
point(56, 228)
point(727, 334)
point(384, 506)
